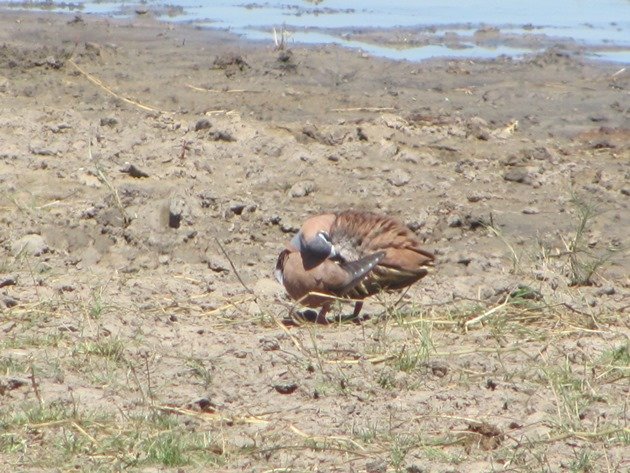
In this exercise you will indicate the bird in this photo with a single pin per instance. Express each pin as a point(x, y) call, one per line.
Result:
point(350, 254)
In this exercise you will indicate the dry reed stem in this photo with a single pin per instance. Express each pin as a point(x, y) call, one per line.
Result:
point(211, 416)
point(220, 91)
point(321, 438)
point(100, 84)
point(364, 109)
point(486, 314)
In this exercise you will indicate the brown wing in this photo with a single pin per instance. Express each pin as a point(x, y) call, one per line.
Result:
point(356, 233)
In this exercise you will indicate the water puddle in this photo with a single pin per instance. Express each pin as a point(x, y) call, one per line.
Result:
point(408, 29)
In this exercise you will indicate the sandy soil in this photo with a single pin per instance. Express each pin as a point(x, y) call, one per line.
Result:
point(130, 149)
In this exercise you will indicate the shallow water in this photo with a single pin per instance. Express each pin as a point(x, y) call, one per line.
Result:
point(599, 28)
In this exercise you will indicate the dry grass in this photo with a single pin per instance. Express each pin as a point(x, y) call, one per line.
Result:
point(574, 402)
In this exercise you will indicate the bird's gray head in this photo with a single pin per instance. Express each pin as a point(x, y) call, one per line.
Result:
point(319, 247)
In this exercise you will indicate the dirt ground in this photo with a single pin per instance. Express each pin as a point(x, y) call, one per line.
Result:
point(149, 176)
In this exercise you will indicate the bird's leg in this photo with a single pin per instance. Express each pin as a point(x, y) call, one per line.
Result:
point(357, 310)
point(321, 317)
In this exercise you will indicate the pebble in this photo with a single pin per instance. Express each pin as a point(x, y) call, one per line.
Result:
point(175, 211)
point(285, 388)
point(399, 178)
point(109, 121)
point(606, 291)
point(8, 302)
point(203, 124)
point(89, 180)
point(134, 171)
point(43, 151)
point(454, 221)
point(32, 245)
point(8, 281)
point(388, 150)
point(517, 175)
point(269, 344)
point(531, 210)
point(302, 189)
point(202, 404)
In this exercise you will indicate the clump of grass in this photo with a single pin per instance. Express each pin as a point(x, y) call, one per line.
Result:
point(153, 439)
point(201, 371)
point(570, 395)
point(112, 349)
point(583, 261)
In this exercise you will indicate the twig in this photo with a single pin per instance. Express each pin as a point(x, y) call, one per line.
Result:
point(88, 436)
point(620, 71)
point(36, 387)
point(98, 82)
point(364, 109)
point(317, 438)
point(234, 269)
point(485, 315)
point(220, 91)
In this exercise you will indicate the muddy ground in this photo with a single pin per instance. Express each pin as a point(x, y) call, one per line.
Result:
point(149, 176)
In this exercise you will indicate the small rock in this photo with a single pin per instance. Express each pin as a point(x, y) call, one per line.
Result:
point(606, 291)
point(302, 189)
point(454, 221)
point(89, 180)
point(43, 151)
point(289, 228)
point(285, 388)
point(625, 191)
point(202, 404)
point(221, 136)
point(531, 211)
point(438, 368)
point(32, 244)
point(176, 208)
point(230, 60)
point(8, 302)
point(376, 466)
point(14, 383)
point(388, 150)
point(274, 219)
point(60, 127)
point(541, 153)
point(218, 265)
point(517, 175)
point(133, 171)
point(109, 121)
point(478, 127)
point(8, 281)
point(464, 259)
point(269, 344)
point(399, 178)
point(203, 124)
point(208, 199)
point(238, 208)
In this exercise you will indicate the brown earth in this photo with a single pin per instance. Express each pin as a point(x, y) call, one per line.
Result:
point(132, 151)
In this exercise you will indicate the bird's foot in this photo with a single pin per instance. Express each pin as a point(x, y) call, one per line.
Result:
point(307, 315)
